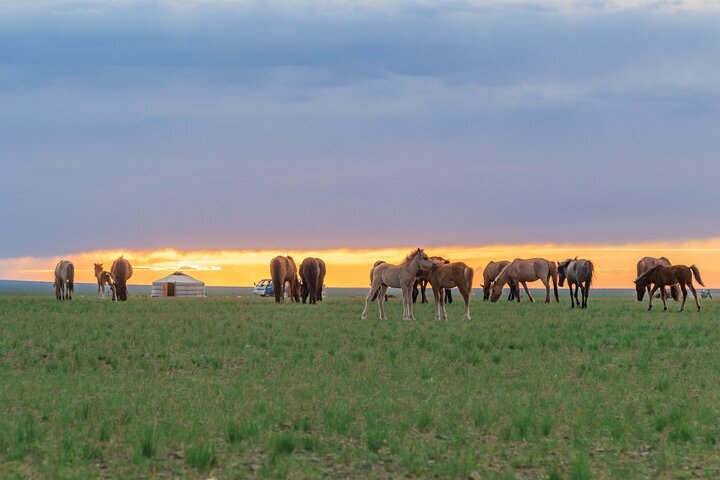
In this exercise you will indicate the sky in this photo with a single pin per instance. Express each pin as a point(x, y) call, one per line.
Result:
point(253, 127)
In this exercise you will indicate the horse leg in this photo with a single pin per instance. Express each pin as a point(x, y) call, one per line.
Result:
point(586, 294)
point(411, 315)
point(466, 292)
point(572, 300)
point(527, 290)
point(373, 288)
point(652, 293)
point(415, 291)
point(684, 296)
point(663, 297)
point(578, 288)
point(692, 289)
point(547, 289)
point(423, 288)
point(448, 295)
point(381, 302)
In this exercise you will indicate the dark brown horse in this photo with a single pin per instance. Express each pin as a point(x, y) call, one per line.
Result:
point(121, 271)
point(283, 270)
point(446, 276)
point(646, 263)
point(663, 276)
point(422, 282)
point(64, 283)
point(490, 273)
point(312, 275)
point(103, 278)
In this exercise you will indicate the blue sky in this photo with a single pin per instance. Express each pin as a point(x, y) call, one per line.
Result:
point(325, 124)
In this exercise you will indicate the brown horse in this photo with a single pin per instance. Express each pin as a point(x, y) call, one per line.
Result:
point(283, 270)
point(422, 282)
point(647, 263)
point(490, 273)
point(578, 273)
point(385, 275)
point(64, 283)
point(121, 271)
point(103, 278)
point(529, 270)
point(450, 275)
point(312, 274)
point(662, 276)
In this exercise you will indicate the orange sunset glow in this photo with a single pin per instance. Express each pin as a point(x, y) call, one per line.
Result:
point(615, 264)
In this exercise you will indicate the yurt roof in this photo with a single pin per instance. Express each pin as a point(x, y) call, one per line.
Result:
point(179, 277)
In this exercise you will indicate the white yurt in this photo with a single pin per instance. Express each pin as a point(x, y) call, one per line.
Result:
point(178, 284)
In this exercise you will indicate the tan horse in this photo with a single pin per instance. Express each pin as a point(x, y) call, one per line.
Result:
point(648, 263)
point(312, 275)
point(103, 278)
point(402, 276)
point(422, 282)
point(663, 276)
point(490, 273)
point(283, 270)
point(579, 273)
point(121, 272)
point(64, 283)
point(450, 275)
point(529, 270)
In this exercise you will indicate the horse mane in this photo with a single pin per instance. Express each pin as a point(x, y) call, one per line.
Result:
point(647, 273)
point(411, 255)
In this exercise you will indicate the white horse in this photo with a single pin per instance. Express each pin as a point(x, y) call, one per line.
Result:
point(402, 276)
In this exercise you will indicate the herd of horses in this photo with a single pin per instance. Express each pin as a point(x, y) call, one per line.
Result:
point(418, 270)
point(116, 279)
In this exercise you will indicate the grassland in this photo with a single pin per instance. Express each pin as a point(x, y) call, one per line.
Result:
point(240, 387)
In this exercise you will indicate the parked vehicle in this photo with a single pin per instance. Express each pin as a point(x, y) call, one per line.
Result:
point(264, 288)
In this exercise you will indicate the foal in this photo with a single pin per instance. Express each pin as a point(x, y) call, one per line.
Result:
point(450, 275)
point(662, 276)
point(103, 278)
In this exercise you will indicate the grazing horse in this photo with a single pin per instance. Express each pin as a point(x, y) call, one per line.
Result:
point(422, 282)
point(530, 270)
point(662, 276)
point(647, 263)
point(402, 276)
point(121, 271)
point(490, 273)
point(103, 278)
point(312, 274)
point(450, 275)
point(580, 274)
point(282, 270)
point(64, 283)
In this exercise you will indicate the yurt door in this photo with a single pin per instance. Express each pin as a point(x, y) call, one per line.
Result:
point(169, 290)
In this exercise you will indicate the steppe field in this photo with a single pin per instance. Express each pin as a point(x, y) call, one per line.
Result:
point(243, 388)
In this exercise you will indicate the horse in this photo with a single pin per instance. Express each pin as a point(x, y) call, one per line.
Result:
point(490, 273)
point(647, 263)
point(446, 276)
point(422, 282)
point(402, 276)
point(521, 271)
point(103, 278)
point(578, 273)
point(121, 271)
point(312, 274)
point(662, 276)
point(282, 270)
point(64, 283)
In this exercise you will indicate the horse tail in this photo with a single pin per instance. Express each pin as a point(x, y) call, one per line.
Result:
point(71, 277)
point(277, 279)
point(591, 273)
point(696, 273)
point(553, 273)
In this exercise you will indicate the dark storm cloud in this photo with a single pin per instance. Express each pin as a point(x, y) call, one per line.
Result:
point(149, 126)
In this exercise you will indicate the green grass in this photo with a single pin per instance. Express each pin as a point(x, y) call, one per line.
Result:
point(241, 387)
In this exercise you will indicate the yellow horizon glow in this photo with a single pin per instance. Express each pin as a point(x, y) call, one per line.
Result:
point(615, 264)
